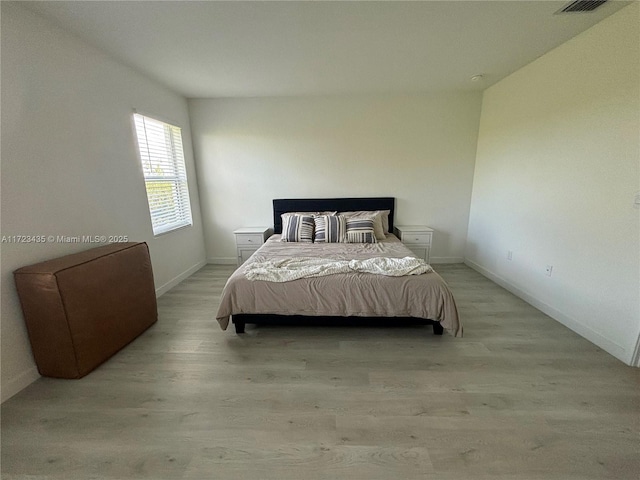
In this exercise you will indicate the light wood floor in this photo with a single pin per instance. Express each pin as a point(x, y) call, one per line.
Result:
point(519, 397)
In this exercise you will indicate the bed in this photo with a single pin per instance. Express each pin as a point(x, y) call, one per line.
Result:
point(423, 299)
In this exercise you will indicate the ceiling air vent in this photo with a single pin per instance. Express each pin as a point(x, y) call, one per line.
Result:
point(582, 6)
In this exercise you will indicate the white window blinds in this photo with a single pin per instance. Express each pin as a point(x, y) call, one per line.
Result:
point(165, 175)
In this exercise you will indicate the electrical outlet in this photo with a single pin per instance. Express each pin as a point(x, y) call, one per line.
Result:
point(509, 255)
point(548, 270)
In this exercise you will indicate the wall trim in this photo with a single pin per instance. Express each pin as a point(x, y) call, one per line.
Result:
point(436, 260)
point(635, 359)
point(19, 382)
point(584, 331)
point(222, 260)
point(176, 280)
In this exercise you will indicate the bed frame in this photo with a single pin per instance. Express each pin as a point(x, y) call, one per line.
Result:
point(281, 206)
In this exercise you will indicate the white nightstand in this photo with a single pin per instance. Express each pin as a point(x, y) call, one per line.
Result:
point(417, 238)
point(248, 240)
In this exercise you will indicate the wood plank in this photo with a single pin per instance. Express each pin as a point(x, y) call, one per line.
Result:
point(520, 397)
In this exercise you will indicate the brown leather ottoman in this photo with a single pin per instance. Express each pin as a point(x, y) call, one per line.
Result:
point(81, 309)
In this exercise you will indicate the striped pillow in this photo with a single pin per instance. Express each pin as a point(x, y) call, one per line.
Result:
point(331, 229)
point(297, 228)
point(360, 230)
point(380, 220)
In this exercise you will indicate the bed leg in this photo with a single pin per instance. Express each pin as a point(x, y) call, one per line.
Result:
point(239, 324)
point(437, 328)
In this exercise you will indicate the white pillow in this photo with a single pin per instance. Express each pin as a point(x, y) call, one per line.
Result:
point(309, 214)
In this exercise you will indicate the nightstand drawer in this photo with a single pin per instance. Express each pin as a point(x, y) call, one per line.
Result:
point(248, 240)
point(255, 239)
point(416, 238)
point(244, 254)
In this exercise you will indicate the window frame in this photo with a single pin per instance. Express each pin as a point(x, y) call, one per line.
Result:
point(173, 159)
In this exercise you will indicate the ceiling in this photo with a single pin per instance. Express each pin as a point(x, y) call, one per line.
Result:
point(238, 48)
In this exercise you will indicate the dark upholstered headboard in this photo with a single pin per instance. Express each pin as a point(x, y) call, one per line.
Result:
point(281, 206)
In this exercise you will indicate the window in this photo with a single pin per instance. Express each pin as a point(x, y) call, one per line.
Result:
point(165, 175)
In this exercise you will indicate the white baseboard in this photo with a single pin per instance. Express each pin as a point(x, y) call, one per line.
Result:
point(583, 330)
point(436, 260)
point(176, 280)
point(222, 260)
point(635, 359)
point(21, 381)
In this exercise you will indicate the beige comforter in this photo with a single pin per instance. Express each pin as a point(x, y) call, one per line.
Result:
point(349, 294)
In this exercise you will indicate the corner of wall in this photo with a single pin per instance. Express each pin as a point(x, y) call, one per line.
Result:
point(571, 323)
point(18, 383)
point(164, 288)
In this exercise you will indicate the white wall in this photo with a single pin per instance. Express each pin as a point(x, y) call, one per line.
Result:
point(417, 148)
point(69, 164)
point(557, 169)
